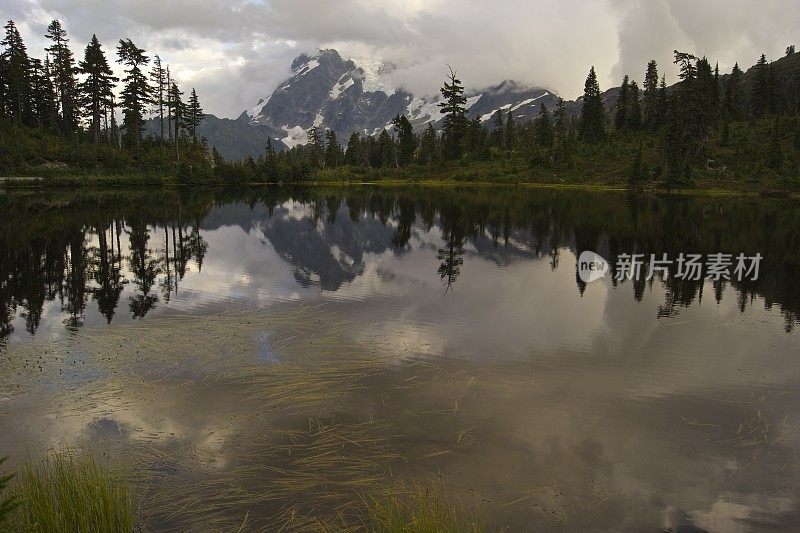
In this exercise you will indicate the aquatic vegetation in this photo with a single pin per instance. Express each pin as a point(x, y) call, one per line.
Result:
point(71, 491)
point(418, 509)
point(7, 502)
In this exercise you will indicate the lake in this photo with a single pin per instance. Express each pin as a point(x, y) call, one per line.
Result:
point(264, 358)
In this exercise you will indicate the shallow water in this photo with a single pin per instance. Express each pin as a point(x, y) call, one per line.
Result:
point(393, 334)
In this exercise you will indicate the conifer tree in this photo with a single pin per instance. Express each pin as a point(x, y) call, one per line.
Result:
point(136, 93)
point(774, 99)
point(194, 115)
point(510, 136)
point(543, 128)
point(3, 83)
point(354, 154)
point(429, 146)
point(270, 161)
point(661, 104)
point(687, 124)
point(169, 105)
point(733, 101)
point(593, 119)
point(633, 115)
point(406, 140)
point(177, 112)
point(760, 93)
point(316, 142)
point(560, 116)
point(650, 96)
point(43, 94)
point(454, 110)
point(498, 134)
point(706, 94)
point(16, 76)
point(158, 79)
point(621, 113)
point(216, 157)
point(386, 148)
point(477, 144)
point(97, 87)
point(333, 152)
point(63, 71)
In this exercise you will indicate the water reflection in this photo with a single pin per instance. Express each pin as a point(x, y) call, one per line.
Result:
point(453, 331)
point(126, 254)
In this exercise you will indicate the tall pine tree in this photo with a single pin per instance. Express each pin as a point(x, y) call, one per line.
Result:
point(454, 110)
point(593, 116)
point(633, 115)
point(63, 71)
point(43, 94)
point(760, 92)
point(406, 140)
point(733, 100)
point(621, 113)
point(177, 112)
point(194, 115)
point(96, 89)
point(16, 76)
point(650, 96)
point(511, 132)
point(543, 128)
point(158, 79)
point(136, 93)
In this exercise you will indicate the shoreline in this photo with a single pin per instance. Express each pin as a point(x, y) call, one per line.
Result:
point(18, 183)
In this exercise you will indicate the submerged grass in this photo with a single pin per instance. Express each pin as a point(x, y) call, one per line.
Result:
point(243, 421)
point(418, 509)
point(70, 491)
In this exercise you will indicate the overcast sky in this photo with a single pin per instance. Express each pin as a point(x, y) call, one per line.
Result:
point(235, 52)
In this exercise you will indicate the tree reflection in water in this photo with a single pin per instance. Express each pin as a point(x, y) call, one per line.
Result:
point(76, 247)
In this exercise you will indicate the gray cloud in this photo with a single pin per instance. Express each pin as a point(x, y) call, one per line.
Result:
point(236, 52)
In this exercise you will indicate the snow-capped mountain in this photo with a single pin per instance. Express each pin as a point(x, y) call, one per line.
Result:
point(347, 95)
point(355, 95)
point(328, 92)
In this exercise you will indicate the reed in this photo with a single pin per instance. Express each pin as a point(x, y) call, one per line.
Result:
point(7, 502)
point(418, 509)
point(70, 491)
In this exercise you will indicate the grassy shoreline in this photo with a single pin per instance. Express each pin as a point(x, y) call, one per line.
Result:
point(67, 182)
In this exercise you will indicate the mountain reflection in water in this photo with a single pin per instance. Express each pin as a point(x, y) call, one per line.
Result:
point(75, 257)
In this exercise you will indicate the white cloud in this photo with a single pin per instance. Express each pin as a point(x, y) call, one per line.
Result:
point(235, 52)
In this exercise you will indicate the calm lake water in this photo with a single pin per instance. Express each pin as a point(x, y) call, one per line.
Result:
point(264, 357)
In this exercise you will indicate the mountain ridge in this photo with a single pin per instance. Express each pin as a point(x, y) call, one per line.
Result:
point(328, 91)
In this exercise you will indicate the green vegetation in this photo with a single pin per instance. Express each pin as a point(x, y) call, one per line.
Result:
point(418, 509)
point(58, 121)
point(67, 491)
point(7, 502)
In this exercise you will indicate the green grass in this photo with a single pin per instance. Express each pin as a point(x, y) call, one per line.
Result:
point(68, 491)
point(418, 509)
point(7, 502)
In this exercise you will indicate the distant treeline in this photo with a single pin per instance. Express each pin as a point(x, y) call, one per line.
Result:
point(58, 117)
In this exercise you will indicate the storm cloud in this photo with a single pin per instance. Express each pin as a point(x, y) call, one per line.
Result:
point(236, 52)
